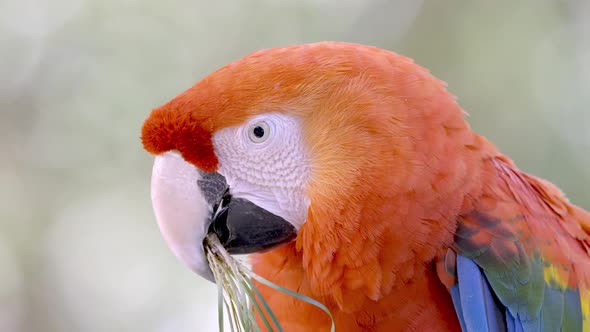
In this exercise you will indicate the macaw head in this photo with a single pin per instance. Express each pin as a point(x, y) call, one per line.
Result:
point(337, 146)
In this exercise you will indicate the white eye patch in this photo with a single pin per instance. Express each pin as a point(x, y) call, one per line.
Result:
point(264, 160)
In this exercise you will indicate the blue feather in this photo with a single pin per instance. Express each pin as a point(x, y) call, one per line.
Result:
point(510, 324)
point(513, 324)
point(531, 325)
point(480, 311)
point(457, 304)
point(552, 309)
point(572, 312)
point(518, 326)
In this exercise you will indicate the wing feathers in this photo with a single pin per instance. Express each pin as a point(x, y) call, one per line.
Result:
point(479, 309)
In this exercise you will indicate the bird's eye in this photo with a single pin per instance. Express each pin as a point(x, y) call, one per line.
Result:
point(259, 132)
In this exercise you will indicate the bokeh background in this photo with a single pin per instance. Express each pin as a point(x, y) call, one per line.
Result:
point(79, 246)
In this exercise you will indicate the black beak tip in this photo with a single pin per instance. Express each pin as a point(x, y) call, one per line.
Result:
point(243, 227)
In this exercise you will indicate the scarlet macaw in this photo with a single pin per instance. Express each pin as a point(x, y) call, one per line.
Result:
point(353, 173)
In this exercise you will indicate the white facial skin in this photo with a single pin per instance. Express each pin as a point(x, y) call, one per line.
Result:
point(263, 160)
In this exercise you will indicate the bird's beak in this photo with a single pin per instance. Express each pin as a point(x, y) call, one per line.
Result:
point(189, 204)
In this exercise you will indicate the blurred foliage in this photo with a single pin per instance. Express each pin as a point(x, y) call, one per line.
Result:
point(79, 247)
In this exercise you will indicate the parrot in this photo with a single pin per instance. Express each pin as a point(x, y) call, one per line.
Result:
point(349, 173)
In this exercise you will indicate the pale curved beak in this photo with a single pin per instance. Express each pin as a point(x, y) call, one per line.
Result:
point(182, 210)
point(184, 199)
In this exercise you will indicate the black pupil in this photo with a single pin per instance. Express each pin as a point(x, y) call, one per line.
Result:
point(258, 131)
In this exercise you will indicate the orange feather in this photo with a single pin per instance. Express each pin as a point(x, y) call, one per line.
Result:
point(395, 170)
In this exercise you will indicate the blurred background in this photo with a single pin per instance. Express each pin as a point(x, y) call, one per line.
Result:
point(79, 246)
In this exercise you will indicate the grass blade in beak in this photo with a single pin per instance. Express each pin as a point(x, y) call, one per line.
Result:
point(240, 296)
